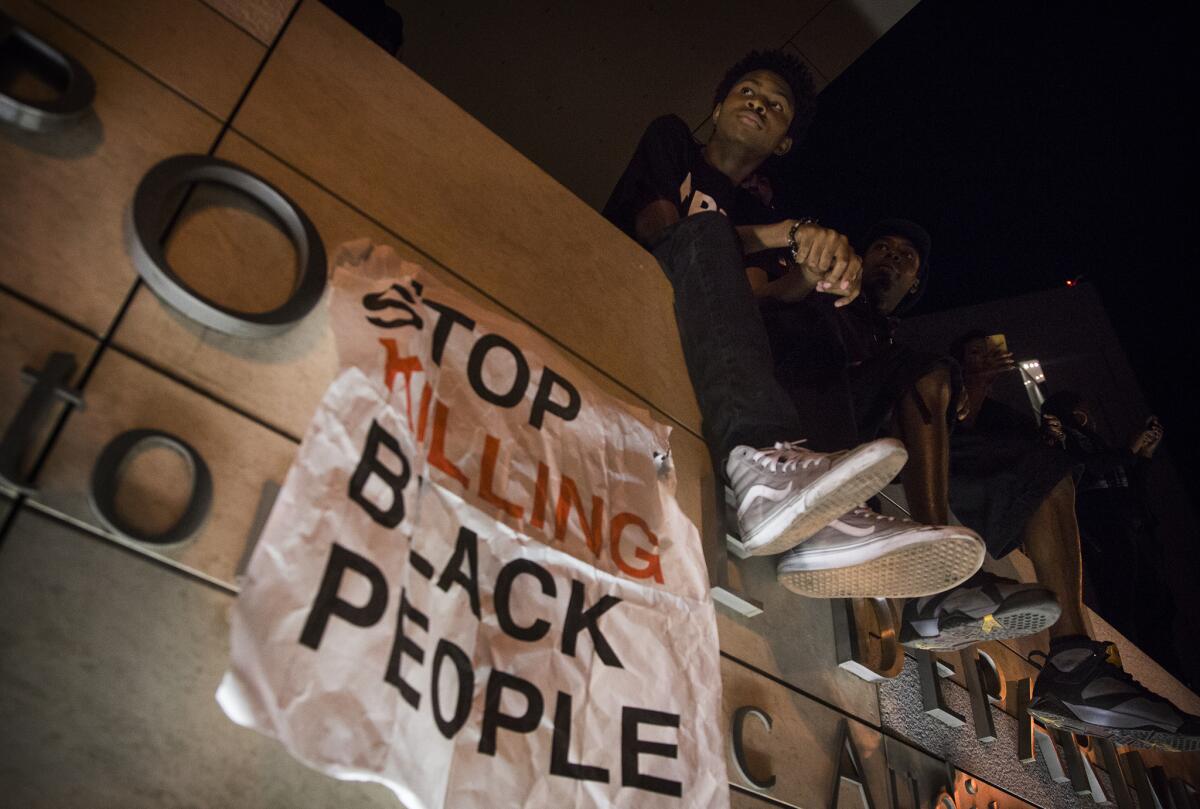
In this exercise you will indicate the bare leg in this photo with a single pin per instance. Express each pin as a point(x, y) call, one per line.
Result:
point(1052, 542)
point(921, 425)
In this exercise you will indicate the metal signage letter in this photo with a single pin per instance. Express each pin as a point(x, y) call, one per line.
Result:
point(739, 750)
point(865, 633)
point(77, 88)
point(48, 384)
point(153, 211)
point(106, 476)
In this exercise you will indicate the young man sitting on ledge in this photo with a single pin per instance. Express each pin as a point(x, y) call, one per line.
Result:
point(684, 203)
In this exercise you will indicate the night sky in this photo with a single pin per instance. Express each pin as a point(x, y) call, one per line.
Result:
point(1038, 142)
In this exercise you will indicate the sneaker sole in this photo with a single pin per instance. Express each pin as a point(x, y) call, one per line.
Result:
point(860, 476)
point(912, 571)
point(1054, 714)
point(1020, 615)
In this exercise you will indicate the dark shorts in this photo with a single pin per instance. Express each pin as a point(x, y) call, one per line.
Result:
point(997, 481)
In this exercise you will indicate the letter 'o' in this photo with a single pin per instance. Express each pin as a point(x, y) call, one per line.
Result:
point(153, 212)
point(106, 476)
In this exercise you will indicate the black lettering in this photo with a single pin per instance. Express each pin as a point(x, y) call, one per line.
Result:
point(377, 302)
point(328, 604)
point(503, 595)
point(448, 318)
point(632, 747)
point(370, 464)
point(420, 564)
point(520, 381)
point(404, 645)
point(494, 718)
point(543, 403)
point(466, 687)
point(466, 548)
point(578, 619)
point(560, 763)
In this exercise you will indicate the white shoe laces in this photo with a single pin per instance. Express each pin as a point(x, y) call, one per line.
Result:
point(863, 511)
point(787, 456)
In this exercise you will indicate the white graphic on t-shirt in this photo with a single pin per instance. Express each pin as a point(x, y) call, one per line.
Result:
point(700, 203)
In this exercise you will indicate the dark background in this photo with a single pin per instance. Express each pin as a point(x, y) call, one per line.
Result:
point(1037, 143)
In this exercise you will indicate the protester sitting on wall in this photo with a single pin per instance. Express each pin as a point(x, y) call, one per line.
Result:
point(1122, 558)
point(1030, 495)
point(1008, 484)
point(842, 368)
point(683, 201)
point(871, 385)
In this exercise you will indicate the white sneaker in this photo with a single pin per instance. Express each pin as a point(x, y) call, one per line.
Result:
point(786, 494)
point(867, 555)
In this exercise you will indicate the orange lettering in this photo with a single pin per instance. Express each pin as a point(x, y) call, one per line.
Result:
point(652, 568)
point(491, 448)
point(400, 365)
point(437, 446)
point(568, 496)
point(538, 518)
point(423, 417)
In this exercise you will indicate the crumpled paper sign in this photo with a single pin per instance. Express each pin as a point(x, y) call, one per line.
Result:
point(475, 586)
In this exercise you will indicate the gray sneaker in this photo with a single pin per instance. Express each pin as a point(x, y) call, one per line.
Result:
point(985, 607)
point(867, 555)
point(786, 494)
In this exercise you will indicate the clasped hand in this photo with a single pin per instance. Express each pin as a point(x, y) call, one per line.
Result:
point(829, 262)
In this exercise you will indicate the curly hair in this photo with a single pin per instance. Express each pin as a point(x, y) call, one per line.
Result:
point(791, 70)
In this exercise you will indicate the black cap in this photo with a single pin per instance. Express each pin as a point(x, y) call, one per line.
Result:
point(919, 237)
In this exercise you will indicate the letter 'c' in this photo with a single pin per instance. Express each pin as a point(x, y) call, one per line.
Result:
point(739, 750)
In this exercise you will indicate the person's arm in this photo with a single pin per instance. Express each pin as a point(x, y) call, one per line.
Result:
point(979, 372)
point(653, 218)
point(1145, 442)
point(794, 285)
point(825, 255)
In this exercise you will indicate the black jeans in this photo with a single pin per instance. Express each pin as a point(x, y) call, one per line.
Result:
point(724, 341)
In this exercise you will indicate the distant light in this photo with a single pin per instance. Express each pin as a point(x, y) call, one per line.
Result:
point(1070, 282)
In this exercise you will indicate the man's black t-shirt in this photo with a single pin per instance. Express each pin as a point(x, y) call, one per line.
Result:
point(669, 164)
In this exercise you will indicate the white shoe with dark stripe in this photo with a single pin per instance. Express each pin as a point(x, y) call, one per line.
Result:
point(867, 555)
point(786, 494)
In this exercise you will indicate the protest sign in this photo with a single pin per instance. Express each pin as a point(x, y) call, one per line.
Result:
point(476, 586)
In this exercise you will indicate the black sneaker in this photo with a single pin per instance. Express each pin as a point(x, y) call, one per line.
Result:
point(985, 607)
point(1083, 689)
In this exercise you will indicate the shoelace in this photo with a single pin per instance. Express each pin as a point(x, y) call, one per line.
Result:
point(786, 457)
point(863, 511)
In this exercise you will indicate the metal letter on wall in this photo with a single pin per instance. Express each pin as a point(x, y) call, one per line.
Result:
point(152, 214)
point(1020, 691)
point(872, 655)
point(981, 708)
point(48, 384)
point(849, 769)
point(932, 700)
point(75, 85)
point(739, 750)
point(106, 477)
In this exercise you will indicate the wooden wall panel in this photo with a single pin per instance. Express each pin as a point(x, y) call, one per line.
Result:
point(364, 126)
point(107, 682)
point(63, 244)
point(792, 639)
point(27, 339)
point(182, 43)
point(122, 395)
point(261, 18)
point(801, 748)
point(280, 380)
